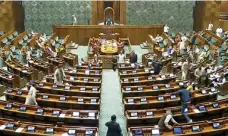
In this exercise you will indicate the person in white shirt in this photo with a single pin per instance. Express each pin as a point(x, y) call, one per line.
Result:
point(198, 72)
point(59, 75)
point(202, 56)
point(184, 69)
point(165, 119)
point(158, 38)
point(31, 97)
point(219, 31)
point(74, 20)
point(121, 58)
point(95, 58)
point(166, 29)
point(210, 26)
point(28, 54)
point(182, 47)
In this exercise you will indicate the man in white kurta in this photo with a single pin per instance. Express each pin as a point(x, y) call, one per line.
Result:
point(158, 38)
point(166, 29)
point(74, 19)
point(184, 69)
point(59, 75)
point(31, 97)
point(210, 26)
point(121, 58)
point(219, 31)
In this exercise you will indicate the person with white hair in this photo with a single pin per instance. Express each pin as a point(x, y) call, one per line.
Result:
point(31, 97)
point(74, 20)
point(210, 26)
point(166, 29)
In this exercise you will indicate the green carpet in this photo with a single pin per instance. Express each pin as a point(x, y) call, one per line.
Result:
point(111, 101)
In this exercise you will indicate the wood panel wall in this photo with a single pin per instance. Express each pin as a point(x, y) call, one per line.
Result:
point(81, 33)
point(98, 11)
point(206, 12)
point(11, 16)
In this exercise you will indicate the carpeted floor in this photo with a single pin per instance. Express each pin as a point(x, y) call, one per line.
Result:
point(111, 101)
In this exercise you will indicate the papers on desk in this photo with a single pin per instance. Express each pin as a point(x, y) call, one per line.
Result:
point(125, 80)
point(62, 115)
point(159, 78)
point(2, 127)
point(24, 71)
point(147, 70)
point(71, 78)
point(31, 61)
point(19, 130)
point(87, 72)
point(67, 87)
point(128, 89)
point(152, 72)
point(163, 76)
point(196, 111)
point(10, 76)
point(179, 64)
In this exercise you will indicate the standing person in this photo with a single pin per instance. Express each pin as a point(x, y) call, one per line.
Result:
point(165, 119)
point(185, 97)
point(114, 65)
point(28, 54)
point(157, 66)
point(31, 97)
point(95, 58)
point(210, 26)
point(121, 58)
point(166, 29)
point(133, 57)
point(184, 69)
point(74, 19)
point(219, 31)
point(113, 127)
point(198, 72)
point(59, 75)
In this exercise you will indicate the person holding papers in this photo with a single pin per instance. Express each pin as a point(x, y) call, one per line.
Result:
point(31, 97)
point(165, 119)
point(185, 97)
point(113, 127)
point(59, 75)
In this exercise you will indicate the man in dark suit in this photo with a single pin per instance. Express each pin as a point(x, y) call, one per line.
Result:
point(114, 63)
point(113, 127)
point(133, 57)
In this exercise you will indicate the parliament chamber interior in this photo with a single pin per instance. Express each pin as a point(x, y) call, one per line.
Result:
point(113, 68)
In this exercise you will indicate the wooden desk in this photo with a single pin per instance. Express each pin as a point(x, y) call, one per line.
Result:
point(127, 66)
point(93, 67)
point(82, 72)
point(206, 129)
point(135, 73)
point(54, 101)
point(145, 102)
point(90, 91)
point(147, 80)
point(40, 129)
point(70, 59)
point(55, 61)
point(65, 116)
point(46, 67)
point(25, 72)
point(140, 117)
point(151, 90)
point(87, 81)
point(82, 33)
point(11, 80)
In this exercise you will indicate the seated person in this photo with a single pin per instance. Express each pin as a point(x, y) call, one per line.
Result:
point(109, 21)
point(170, 50)
point(158, 38)
point(165, 119)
